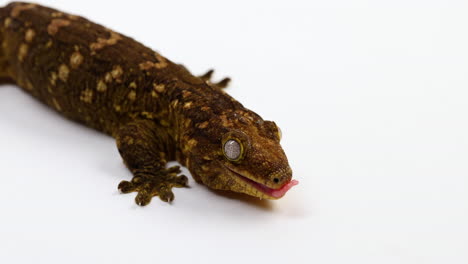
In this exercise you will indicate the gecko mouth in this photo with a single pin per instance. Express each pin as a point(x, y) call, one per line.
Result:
point(274, 193)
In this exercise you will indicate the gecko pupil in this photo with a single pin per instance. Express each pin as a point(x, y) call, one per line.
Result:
point(232, 149)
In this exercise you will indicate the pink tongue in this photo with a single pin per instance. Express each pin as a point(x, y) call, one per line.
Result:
point(278, 193)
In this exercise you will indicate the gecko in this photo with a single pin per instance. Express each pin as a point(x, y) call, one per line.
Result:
point(155, 109)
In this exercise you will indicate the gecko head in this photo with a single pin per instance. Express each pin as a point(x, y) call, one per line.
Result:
point(244, 155)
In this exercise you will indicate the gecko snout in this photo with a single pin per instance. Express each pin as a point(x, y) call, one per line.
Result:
point(281, 176)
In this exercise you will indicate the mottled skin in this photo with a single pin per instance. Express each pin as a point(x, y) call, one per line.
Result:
point(155, 109)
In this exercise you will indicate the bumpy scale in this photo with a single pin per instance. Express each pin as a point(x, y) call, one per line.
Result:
point(155, 109)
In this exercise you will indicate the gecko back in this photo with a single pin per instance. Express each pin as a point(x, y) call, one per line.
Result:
point(85, 71)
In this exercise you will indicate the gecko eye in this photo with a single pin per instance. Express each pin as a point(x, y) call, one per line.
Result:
point(232, 150)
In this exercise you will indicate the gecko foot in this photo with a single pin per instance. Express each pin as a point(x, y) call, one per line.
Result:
point(152, 184)
point(221, 84)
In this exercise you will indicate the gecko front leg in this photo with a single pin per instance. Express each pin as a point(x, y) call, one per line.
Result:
point(144, 146)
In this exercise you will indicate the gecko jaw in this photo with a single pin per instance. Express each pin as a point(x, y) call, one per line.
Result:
point(269, 192)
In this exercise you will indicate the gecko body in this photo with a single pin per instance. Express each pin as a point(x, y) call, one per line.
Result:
point(155, 109)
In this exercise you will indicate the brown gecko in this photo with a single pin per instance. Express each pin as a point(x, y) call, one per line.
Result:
point(155, 109)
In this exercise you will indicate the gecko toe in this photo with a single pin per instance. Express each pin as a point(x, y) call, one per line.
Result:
point(207, 76)
point(166, 194)
point(143, 198)
point(181, 181)
point(126, 187)
point(223, 83)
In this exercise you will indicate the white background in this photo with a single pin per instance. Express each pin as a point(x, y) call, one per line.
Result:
point(372, 98)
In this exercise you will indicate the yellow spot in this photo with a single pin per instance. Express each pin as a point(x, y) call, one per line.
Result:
point(117, 108)
point(132, 85)
point(117, 72)
point(101, 42)
point(147, 115)
point(53, 78)
point(175, 103)
point(164, 123)
point(101, 86)
point(154, 94)
point(225, 121)
point(23, 50)
point(16, 11)
point(186, 93)
point(49, 89)
point(87, 96)
point(187, 105)
point(192, 143)
point(72, 17)
point(248, 116)
point(132, 95)
point(146, 65)
point(29, 35)
point(205, 108)
point(56, 24)
point(56, 105)
point(49, 44)
point(63, 72)
point(203, 125)
point(108, 77)
point(7, 22)
point(76, 59)
point(159, 87)
point(56, 14)
point(162, 62)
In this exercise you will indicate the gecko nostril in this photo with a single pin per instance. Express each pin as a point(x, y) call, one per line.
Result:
point(276, 180)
